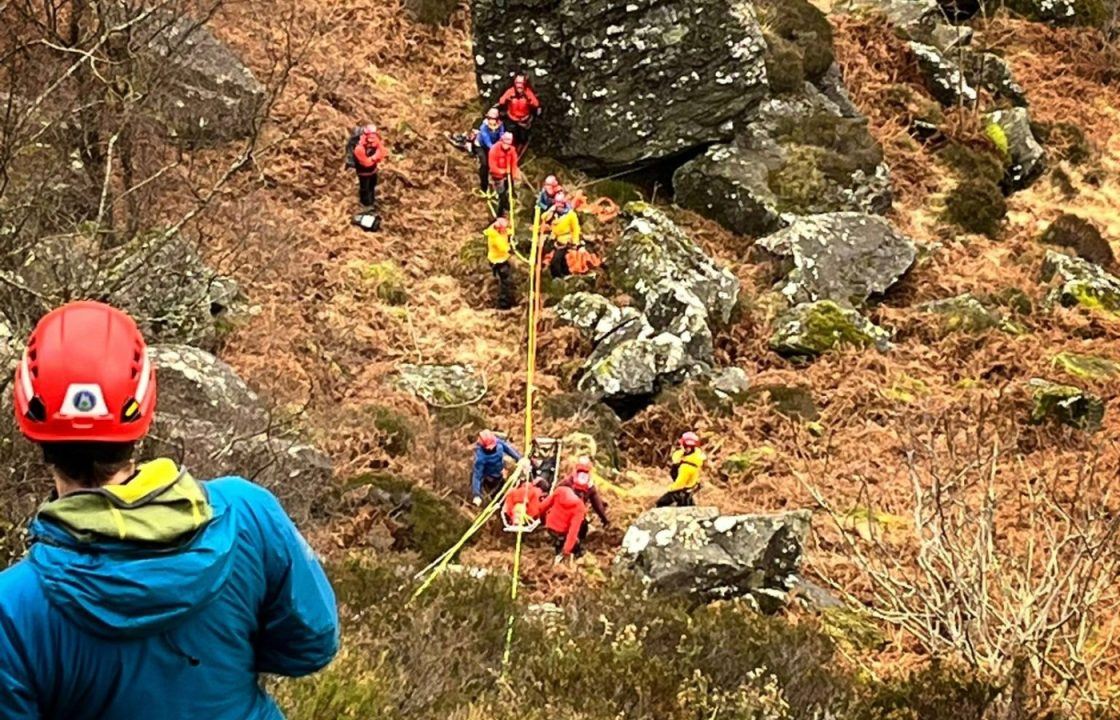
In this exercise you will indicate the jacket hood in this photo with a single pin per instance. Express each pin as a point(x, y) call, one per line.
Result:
point(134, 559)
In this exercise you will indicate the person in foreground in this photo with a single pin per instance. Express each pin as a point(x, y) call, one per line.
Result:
point(145, 593)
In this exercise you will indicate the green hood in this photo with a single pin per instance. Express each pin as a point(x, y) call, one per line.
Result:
point(161, 504)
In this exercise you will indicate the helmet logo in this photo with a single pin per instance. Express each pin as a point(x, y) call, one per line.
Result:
point(84, 400)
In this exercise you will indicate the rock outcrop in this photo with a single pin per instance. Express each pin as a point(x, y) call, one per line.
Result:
point(681, 296)
point(624, 82)
point(211, 422)
point(699, 552)
point(802, 154)
point(843, 257)
point(1025, 158)
point(210, 95)
point(964, 313)
point(162, 283)
point(443, 385)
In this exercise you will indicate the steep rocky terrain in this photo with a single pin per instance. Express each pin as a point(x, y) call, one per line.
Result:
point(900, 321)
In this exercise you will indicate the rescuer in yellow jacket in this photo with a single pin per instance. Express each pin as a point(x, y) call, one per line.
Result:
point(498, 253)
point(687, 461)
point(565, 222)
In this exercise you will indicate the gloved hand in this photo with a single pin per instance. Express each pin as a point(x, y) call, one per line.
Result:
point(476, 501)
point(525, 464)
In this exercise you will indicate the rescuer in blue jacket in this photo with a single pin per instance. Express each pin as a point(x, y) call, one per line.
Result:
point(146, 593)
point(489, 473)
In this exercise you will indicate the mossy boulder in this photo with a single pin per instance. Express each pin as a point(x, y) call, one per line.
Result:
point(1086, 367)
point(964, 313)
point(1080, 236)
point(418, 519)
point(443, 385)
point(1085, 13)
point(1077, 282)
point(846, 257)
point(805, 27)
point(1010, 130)
point(1065, 404)
point(811, 329)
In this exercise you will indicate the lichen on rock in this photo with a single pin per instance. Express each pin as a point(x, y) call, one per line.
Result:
point(1065, 404)
point(1077, 282)
point(811, 329)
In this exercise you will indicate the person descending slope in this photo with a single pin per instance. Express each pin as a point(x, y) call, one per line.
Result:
point(565, 516)
point(489, 471)
point(369, 153)
point(582, 481)
point(520, 105)
point(498, 254)
point(503, 171)
point(687, 461)
point(547, 197)
point(489, 134)
point(146, 593)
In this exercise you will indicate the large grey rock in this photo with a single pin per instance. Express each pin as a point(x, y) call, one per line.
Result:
point(845, 257)
point(699, 552)
point(212, 423)
point(1077, 282)
point(624, 82)
point(993, 73)
point(915, 19)
point(1025, 156)
point(964, 313)
point(801, 154)
point(161, 282)
point(443, 385)
point(207, 94)
point(1102, 14)
point(811, 329)
point(943, 76)
point(596, 315)
point(637, 368)
point(655, 261)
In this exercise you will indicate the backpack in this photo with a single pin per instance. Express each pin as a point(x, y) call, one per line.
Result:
point(351, 143)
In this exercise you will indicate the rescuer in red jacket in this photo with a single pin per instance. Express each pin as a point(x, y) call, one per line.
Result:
point(503, 171)
point(520, 105)
point(368, 154)
point(565, 516)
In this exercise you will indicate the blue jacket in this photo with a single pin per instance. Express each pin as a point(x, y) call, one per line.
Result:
point(487, 139)
point(490, 464)
point(161, 598)
point(545, 201)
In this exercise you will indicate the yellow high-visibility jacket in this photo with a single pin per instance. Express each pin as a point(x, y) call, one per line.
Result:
point(565, 229)
point(497, 246)
point(687, 465)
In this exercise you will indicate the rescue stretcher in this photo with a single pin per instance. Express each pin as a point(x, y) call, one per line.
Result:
point(544, 462)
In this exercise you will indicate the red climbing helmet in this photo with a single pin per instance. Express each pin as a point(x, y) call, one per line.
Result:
point(583, 464)
point(487, 440)
point(501, 224)
point(370, 129)
point(560, 200)
point(507, 138)
point(551, 183)
point(519, 81)
point(85, 377)
point(690, 440)
point(493, 114)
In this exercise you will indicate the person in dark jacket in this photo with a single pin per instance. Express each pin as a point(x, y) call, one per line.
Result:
point(489, 472)
point(368, 156)
point(489, 134)
point(146, 593)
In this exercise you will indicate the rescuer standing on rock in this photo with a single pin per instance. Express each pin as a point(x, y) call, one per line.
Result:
point(504, 172)
point(145, 593)
point(521, 106)
point(369, 152)
point(498, 254)
point(687, 461)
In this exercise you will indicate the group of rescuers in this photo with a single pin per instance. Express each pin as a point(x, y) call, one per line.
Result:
point(498, 143)
point(563, 509)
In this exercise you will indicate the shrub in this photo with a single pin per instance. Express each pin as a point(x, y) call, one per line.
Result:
point(396, 431)
point(806, 27)
point(431, 12)
point(421, 521)
point(976, 205)
point(785, 68)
